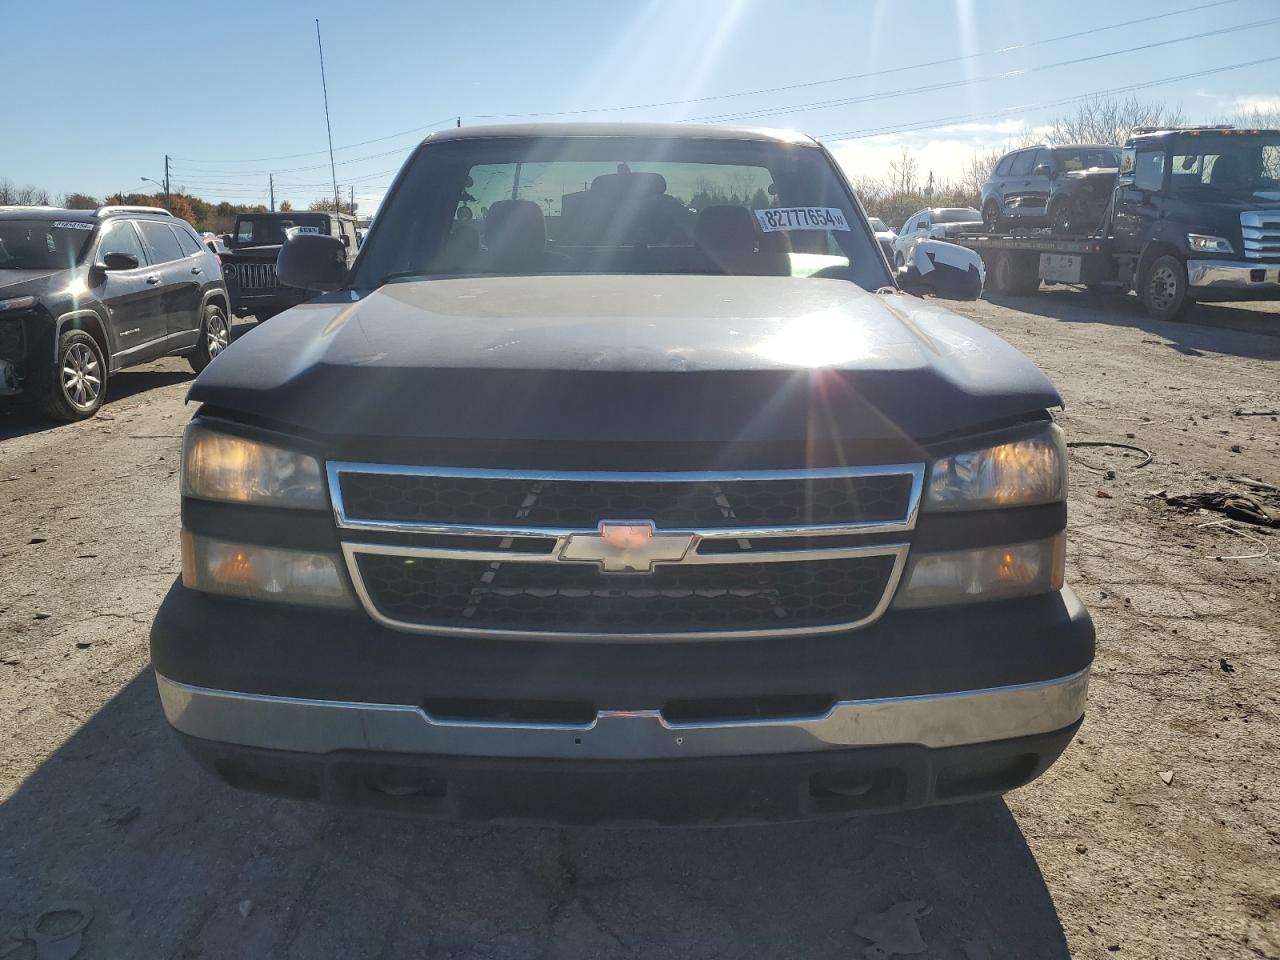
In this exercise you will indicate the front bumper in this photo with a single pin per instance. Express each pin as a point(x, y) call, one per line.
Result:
point(921, 707)
point(1227, 280)
point(322, 726)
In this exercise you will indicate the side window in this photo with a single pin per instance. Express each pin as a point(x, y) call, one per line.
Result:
point(1002, 168)
point(1148, 170)
point(187, 241)
point(160, 238)
point(1022, 163)
point(924, 221)
point(1039, 157)
point(121, 237)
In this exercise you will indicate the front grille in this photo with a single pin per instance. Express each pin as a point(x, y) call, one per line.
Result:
point(582, 504)
point(1261, 231)
point(257, 276)
point(579, 598)
point(618, 555)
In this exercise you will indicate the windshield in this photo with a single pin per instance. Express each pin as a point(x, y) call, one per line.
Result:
point(1088, 158)
point(956, 215)
point(271, 229)
point(42, 244)
point(620, 205)
point(1229, 165)
point(878, 225)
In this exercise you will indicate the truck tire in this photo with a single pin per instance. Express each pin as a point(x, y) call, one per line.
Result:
point(1164, 289)
point(1013, 274)
point(77, 384)
point(215, 336)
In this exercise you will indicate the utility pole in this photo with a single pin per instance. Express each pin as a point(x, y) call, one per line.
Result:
point(271, 185)
point(337, 203)
point(166, 181)
point(353, 201)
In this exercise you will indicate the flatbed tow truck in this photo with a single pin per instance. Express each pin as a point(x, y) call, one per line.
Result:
point(1195, 217)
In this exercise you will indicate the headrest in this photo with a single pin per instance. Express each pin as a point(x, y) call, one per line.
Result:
point(1226, 171)
point(638, 184)
point(514, 229)
point(727, 229)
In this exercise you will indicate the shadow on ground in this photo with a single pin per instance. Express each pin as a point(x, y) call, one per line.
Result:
point(1241, 330)
point(175, 864)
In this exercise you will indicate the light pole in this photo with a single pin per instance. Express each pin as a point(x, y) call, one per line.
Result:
point(161, 186)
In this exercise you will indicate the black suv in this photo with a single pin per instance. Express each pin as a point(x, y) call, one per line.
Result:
point(84, 293)
point(1065, 188)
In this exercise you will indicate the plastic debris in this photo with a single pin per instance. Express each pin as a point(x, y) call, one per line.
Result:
point(1166, 776)
point(893, 932)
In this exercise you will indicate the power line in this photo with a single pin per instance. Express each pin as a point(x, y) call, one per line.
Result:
point(713, 97)
point(950, 84)
point(964, 118)
point(347, 146)
point(1197, 8)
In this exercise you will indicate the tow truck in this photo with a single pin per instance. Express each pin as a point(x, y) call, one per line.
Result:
point(1195, 217)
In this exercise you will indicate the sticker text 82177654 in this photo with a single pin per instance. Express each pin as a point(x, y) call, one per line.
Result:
point(777, 219)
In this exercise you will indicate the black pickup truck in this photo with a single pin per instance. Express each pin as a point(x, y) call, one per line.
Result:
point(621, 507)
point(249, 260)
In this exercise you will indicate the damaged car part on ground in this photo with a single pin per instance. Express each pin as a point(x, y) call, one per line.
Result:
point(663, 507)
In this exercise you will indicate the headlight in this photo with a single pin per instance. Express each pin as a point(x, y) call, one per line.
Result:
point(229, 270)
point(1201, 243)
point(989, 573)
point(263, 573)
point(17, 303)
point(222, 466)
point(1020, 473)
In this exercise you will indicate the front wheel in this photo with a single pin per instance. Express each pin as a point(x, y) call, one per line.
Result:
point(78, 383)
point(215, 336)
point(991, 216)
point(1164, 289)
point(1061, 220)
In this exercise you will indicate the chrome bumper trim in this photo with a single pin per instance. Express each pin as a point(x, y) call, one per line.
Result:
point(321, 726)
point(1233, 274)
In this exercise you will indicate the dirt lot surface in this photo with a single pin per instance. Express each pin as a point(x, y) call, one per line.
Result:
point(1156, 835)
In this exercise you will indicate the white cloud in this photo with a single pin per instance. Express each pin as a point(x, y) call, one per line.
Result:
point(1261, 103)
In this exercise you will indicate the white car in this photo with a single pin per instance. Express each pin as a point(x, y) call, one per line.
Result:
point(935, 223)
point(884, 236)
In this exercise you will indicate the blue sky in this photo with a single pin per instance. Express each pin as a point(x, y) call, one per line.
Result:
point(97, 93)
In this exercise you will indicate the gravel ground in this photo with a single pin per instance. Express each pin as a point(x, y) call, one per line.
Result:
point(1155, 836)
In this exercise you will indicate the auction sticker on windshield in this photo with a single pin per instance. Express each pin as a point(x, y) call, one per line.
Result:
point(801, 218)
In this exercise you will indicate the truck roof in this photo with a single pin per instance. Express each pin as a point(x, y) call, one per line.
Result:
point(656, 131)
point(1152, 133)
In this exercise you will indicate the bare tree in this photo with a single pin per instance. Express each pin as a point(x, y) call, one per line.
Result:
point(1109, 120)
point(903, 172)
point(1258, 115)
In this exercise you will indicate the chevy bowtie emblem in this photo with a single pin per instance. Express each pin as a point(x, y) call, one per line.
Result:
point(627, 546)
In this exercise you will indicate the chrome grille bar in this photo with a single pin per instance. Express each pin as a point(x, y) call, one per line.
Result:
point(1260, 230)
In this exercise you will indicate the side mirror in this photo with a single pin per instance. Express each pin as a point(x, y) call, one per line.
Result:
point(1042, 170)
point(119, 261)
point(312, 261)
point(945, 270)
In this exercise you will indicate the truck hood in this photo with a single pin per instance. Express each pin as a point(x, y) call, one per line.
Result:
point(21, 283)
point(625, 358)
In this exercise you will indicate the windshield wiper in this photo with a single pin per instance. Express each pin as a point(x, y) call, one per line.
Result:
point(400, 275)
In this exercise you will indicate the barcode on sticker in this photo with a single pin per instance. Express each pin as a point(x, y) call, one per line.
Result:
point(801, 218)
